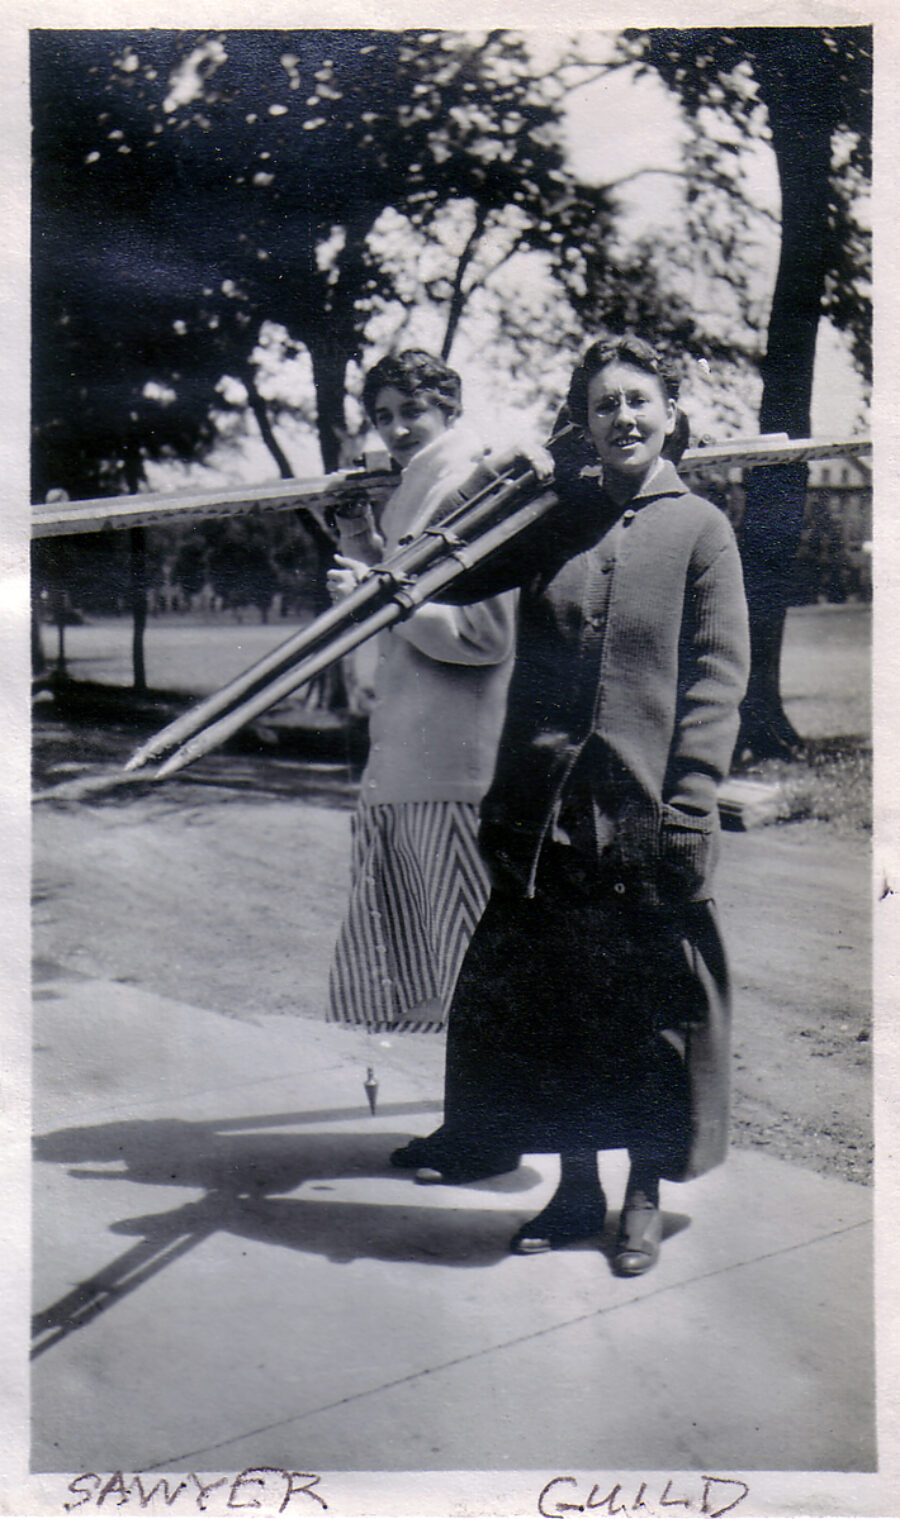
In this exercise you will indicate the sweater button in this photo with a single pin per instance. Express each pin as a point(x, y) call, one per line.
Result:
point(629, 515)
point(619, 888)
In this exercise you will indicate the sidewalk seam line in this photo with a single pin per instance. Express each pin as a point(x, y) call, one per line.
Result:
point(522, 1339)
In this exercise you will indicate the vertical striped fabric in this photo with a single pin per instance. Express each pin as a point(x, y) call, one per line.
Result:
point(418, 888)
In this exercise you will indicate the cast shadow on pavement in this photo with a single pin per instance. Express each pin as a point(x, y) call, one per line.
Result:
point(245, 1178)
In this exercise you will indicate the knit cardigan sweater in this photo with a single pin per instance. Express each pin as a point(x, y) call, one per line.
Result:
point(632, 659)
point(441, 676)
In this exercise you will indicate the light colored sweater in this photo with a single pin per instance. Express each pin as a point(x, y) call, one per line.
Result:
point(441, 676)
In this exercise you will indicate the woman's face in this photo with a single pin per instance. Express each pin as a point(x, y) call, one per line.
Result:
point(629, 417)
point(405, 423)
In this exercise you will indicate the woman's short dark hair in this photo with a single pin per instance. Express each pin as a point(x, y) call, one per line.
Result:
point(625, 350)
point(412, 371)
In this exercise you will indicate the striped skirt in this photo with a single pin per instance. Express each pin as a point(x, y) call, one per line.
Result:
point(418, 889)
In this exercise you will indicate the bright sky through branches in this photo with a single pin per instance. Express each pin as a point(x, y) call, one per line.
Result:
point(629, 132)
point(623, 132)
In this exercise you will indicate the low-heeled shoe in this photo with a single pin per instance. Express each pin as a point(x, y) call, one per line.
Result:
point(640, 1235)
point(554, 1229)
point(458, 1171)
point(418, 1152)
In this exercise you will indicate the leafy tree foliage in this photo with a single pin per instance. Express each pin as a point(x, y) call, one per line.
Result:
point(809, 91)
point(192, 190)
point(190, 186)
point(195, 192)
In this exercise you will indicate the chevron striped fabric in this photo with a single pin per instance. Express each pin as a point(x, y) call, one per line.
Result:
point(418, 889)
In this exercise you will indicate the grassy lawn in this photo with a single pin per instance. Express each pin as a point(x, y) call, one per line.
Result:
point(826, 680)
point(826, 687)
point(826, 671)
point(830, 782)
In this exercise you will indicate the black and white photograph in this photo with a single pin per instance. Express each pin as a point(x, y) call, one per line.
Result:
point(448, 1055)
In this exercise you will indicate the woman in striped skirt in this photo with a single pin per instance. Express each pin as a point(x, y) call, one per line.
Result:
point(418, 884)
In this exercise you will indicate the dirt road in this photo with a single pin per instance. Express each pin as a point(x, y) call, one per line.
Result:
point(225, 888)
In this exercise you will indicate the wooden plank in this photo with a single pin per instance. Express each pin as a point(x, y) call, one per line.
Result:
point(772, 448)
point(750, 804)
point(320, 494)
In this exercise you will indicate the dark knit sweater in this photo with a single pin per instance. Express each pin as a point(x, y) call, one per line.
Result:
point(631, 660)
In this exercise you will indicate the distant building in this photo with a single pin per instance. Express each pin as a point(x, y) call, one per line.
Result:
point(836, 545)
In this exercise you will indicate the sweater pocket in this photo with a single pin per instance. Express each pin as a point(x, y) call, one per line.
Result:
point(687, 849)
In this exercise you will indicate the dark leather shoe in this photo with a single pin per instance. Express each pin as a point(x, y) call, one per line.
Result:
point(460, 1170)
point(452, 1159)
point(555, 1227)
point(419, 1152)
point(640, 1235)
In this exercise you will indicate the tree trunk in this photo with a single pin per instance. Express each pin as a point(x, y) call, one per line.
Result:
point(38, 657)
point(769, 541)
point(459, 296)
point(329, 366)
point(138, 546)
point(61, 609)
point(329, 690)
point(267, 432)
point(802, 128)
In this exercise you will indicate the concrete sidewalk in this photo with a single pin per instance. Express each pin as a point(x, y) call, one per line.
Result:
point(228, 1273)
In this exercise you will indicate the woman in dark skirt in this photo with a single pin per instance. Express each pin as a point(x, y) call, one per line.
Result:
point(592, 1008)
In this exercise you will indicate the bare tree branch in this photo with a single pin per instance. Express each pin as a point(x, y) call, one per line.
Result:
point(460, 296)
point(719, 184)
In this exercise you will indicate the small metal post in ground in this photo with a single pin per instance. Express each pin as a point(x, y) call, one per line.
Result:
point(371, 1086)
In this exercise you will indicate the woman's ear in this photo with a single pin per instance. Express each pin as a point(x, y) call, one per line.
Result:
point(679, 436)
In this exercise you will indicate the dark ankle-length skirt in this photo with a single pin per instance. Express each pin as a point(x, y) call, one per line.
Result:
point(583, 1023)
